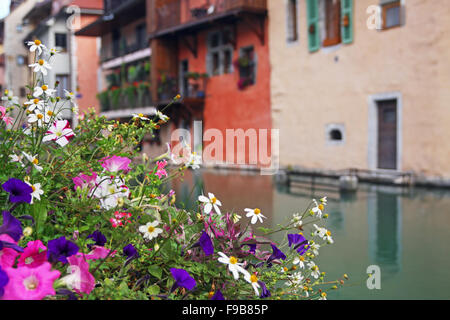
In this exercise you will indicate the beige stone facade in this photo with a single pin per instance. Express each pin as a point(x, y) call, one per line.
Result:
point(340, 87)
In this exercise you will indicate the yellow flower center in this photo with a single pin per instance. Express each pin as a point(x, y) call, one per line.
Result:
point(44, 87)
point(213, 200)
point(321, 207)
point(39, 116)
point(37, 42)
point(328, 233)
point(6, 92)
point(151, 229)
point(315, 268)
point(31, 283)
point(140, 115)
point(33, 188)
point(302, 259)
point(285, 269)
point(41, 62)
point(50, 113)
point(233, 260)
point(210, 294)
point(36, 101)
point(253, 278)
point(257, 211)
point(29, 260)
point(323, 294)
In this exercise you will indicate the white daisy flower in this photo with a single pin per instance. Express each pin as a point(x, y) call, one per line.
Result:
point(300, 261)
point(111, 192)
point(150, 231)
point(315, 248)
point(53, 51)
point(314, 269)
point(37, 191)
point(36, 45)
point(296, 220)
point(210, 203)
point(233, 265)
point(35, 104)
point(140, 116)
point(323, 200)
point(162, 116)
point(17, 158)
point(194, 161)
point(41, 66)
point(318, 209)
point(39, 91)
point(323, 233)
point(323, 296)
point(296, 279)
point(39, 118)
point(34, 160)
point(255, 214)
point(253, 280)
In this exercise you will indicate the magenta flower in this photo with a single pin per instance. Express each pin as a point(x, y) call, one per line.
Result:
point(84, 181)
point(34, 255)
point(7, 120)
point(59, 132)
point(7, 255)
point(30, 283)
point(115, 163)
point(98, 253)
point(82, 281)
point(160, 171)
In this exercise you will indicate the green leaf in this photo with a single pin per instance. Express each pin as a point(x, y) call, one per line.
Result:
point(155, 271)
point(153, 290)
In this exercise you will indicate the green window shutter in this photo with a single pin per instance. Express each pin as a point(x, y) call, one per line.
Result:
point(313, 25)
point(347, 21)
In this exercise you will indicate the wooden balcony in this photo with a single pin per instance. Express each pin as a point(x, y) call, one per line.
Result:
point(179, 15)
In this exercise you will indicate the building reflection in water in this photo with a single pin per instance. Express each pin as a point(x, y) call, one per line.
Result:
point(384, 213)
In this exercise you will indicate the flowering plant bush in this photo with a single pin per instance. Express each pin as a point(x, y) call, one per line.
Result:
point(84, 216)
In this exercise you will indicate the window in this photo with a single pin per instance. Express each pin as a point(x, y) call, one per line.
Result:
point(219, 58)
point(329, 22)
point(140, 36)
point(292, 25)
point(61, 41)
point(391, 14)
point(247, 65)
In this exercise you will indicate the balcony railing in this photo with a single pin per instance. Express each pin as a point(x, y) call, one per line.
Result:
point(182, 12)
point(120, 49)
point(193, 86)
point(126, 97)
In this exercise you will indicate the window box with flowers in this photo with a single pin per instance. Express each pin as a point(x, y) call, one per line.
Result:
point(246, 65)
point(167, 87)
point(196, 84)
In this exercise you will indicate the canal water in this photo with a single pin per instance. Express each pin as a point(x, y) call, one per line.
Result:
point(403, 231)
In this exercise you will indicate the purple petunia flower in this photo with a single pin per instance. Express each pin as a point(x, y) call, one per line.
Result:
point(98, 238)
point(276, 254)
point(60, 249)
point(130, 251)
point(218, 296)
point(299, 242)
point(182, 279)
point(205, 243)
point(18, 191)
point(265, 293)
point(11, 226)
point(4, 279)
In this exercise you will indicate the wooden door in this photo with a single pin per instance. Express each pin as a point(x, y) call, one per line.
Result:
point(387, 134)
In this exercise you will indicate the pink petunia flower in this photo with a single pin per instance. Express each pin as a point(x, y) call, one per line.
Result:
point(7, 255)
point(99, 253)
point(34, 255)
point(160, 171)
point(116, 163)
point(80, 279)
point(30, 283)
point(7, 120)
point(59, 132)
point(84, 181)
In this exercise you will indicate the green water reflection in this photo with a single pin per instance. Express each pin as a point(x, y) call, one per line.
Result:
point(404, 231)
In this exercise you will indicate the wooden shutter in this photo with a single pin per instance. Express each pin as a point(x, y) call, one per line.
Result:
point(313, 25)
point(347, 21)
